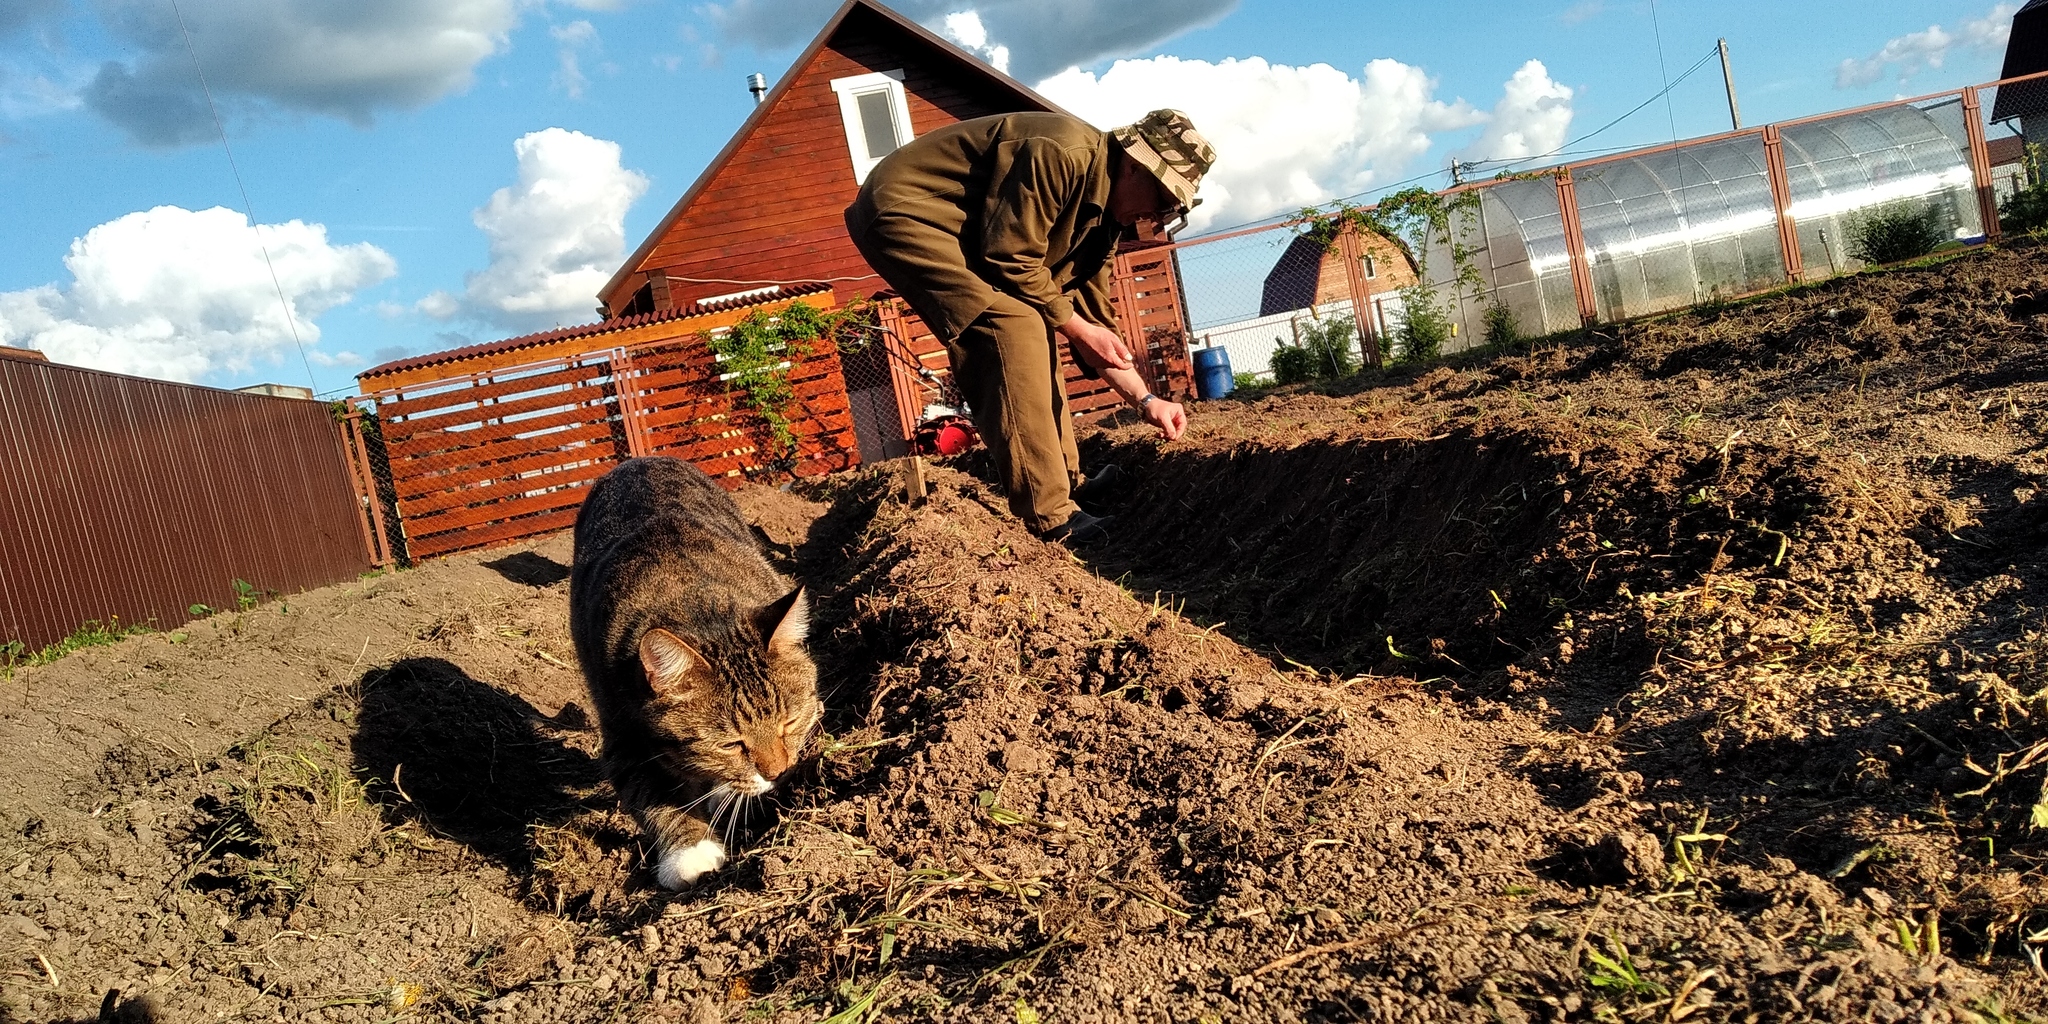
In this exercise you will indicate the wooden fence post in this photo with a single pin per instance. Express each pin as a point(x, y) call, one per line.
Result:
point(1352, 252)
point(1980, 163)
point(1575, 245)
point(358, 452)
point(898, 357)
point(631, 416)
point(1781, 199)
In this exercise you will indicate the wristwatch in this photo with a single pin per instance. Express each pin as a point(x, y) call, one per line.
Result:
point(1147, 400)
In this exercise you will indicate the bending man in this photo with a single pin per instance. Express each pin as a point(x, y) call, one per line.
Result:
point(1001, 232)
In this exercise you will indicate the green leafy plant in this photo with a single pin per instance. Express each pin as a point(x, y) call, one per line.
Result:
point(1292, 364)
point(1894, 232)
point(758, 352)
point(1618, 973)
point(2026, 210)
point(1502, 329)
point(1248, 379)
point(1330, 341)
point(1425, 326)
point(245, 595)
point(1324, 351)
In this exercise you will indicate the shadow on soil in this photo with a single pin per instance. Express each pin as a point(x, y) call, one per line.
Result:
point(467, 760)
point(529, 569)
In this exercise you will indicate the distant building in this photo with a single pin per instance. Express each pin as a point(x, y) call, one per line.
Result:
point(23, 353)
point(2026, 53)
point(1310, 273)
point(278, 391)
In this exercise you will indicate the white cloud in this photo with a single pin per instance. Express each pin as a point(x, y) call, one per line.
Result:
point(556, 235)
point(1042, 36)
point(1285, 137)
point(966, 29)
point(1583, 11)
point(572, 38)
point(342, 58)
point(25, 95)
point(179, 294)
point(1915, 52)
point(1532, 118)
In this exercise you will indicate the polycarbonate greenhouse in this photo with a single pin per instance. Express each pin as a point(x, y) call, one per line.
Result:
point(1681, 226)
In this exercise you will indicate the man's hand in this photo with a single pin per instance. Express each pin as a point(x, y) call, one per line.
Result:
point(1098, 346)
point(1169, 417)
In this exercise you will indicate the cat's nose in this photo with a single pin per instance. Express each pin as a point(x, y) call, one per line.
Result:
point(771, 760)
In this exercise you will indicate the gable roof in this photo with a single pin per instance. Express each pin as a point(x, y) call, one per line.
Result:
point(966, 62)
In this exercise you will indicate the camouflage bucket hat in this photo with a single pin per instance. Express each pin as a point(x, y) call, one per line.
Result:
point(1167, 144)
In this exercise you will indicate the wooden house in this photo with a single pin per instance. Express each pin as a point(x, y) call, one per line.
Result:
point(767, 213)
point(494, 442)
point(1311, 274)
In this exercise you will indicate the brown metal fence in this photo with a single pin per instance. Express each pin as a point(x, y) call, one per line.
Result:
point(130, 500)
point(1628, 234)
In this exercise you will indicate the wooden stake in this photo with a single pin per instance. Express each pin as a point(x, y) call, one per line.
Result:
point(913, 480)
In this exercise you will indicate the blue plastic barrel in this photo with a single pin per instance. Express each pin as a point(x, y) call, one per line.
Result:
point(1213, 378)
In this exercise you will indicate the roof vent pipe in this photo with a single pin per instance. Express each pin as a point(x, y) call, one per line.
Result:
point(757, 83)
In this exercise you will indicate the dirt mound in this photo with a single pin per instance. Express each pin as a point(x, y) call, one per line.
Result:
point(1688, 670)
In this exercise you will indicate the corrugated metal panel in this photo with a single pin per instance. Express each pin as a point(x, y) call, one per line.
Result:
point(134, 499)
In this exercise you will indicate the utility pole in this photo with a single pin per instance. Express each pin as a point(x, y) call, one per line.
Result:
point(1728, 76)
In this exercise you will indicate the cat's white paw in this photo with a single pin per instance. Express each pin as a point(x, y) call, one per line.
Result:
point(684, 866)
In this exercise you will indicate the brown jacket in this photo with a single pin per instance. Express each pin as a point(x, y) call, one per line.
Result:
point(1015, 203)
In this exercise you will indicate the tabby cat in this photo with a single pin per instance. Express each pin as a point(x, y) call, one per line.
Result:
point(693, 649)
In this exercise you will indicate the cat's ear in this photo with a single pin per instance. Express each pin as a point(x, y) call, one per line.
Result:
point(786, 622)
point(667, 660)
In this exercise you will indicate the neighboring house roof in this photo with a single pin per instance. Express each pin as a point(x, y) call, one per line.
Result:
point(528, 348)
point(1309, 273)
point(2026, 52)
point(2008, 149)
point(863, 14)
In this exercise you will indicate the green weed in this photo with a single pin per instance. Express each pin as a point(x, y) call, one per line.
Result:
point(94, 633)
point(1619, 975)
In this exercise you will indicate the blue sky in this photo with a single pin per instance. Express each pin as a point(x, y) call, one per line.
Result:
point(383, 128)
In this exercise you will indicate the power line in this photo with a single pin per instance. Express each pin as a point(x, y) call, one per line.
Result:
point(248, 208)
point(1507, 162)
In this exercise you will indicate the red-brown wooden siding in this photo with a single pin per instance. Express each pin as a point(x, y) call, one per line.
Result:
point(774, 211)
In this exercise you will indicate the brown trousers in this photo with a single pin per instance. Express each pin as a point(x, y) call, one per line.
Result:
point(1007, 364)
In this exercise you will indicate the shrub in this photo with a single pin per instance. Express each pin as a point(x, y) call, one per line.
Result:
point(1331, 342)
point(1248, 379)
point(1502, 330)
point(1894, 232)
point(1292, 365)
point(1425, 326)
point(2026, 210)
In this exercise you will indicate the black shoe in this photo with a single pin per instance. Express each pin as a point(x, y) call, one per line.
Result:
point(1102, 484)
point(1080, 530)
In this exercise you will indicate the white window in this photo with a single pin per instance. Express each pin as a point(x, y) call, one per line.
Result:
point(877, 116)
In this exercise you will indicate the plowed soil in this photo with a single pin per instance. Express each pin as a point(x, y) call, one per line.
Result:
point(1692, 670)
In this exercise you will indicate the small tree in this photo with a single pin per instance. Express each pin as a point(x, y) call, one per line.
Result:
point(1502, 330)
point(1894, 232)
point(1425, 326)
